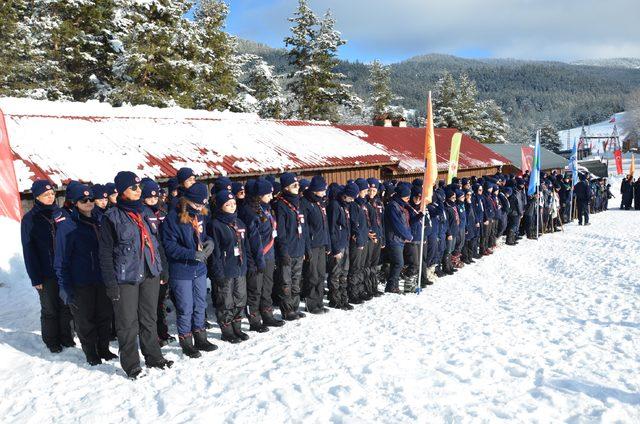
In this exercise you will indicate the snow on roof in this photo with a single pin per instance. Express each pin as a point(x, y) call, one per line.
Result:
point(93, 141)
point(407, 145)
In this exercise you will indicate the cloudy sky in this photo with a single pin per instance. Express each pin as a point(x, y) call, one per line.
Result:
point(393, 30)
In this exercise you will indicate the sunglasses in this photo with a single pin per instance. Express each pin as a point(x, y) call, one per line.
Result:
point(86, 200)
point(134, 187)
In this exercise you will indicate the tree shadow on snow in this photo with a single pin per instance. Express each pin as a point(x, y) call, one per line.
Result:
point(596, 391)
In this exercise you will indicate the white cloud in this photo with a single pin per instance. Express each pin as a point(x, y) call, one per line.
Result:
point(531, 29)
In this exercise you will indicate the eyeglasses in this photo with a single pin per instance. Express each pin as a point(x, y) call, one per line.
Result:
point(134, 187)
point(86, 200)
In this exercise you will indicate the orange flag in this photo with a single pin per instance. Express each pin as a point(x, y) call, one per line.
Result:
point(430, 159)
point(632, 167)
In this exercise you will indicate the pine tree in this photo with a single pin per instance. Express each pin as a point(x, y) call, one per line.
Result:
point(379, 86)
point(314, 83)
point(266, 89)
point(82, 47)
point(302, 85)
point(12, 12)
point(493, 126)
point(549, 137)
point(445, 102)
point(217, 86)
point(157, 64)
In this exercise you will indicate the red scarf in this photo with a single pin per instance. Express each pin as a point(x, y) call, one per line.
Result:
point(145, 238)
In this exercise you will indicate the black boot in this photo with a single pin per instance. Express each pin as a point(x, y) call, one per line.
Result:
point(270, 321)
point(201, 343)
point(105, 353)
point(186, 343)
point(237, 330)
point(91, 352)
point(255, 323)
point(227, 333)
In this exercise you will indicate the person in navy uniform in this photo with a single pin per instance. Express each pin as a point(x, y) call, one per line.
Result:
point(582, 192)
point(398, 234)
point(78, 271)
point(188, 247)
point(314, 208)
point(38, 230)
point(290, 245)
point(185, 178)
point(257, 215)
point(100, 199)
point(112, 194)
point(377, 244)
point(131, 265)
point(358, 247)
point(228, 266)
point(340, 235)
point(151, 199)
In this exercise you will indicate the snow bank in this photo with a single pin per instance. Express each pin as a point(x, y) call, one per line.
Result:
point(545, 331)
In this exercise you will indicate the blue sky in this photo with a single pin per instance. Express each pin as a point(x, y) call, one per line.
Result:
point(396, 30)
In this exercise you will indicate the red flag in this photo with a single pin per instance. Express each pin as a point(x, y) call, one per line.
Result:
point(617, 154)
point(9, 194)
point(527, 158)
point(430, 159)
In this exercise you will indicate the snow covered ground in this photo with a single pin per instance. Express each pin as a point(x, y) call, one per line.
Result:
point(544, 331)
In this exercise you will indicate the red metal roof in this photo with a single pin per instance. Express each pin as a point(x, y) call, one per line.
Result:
point(92, 142)
point(407, 144)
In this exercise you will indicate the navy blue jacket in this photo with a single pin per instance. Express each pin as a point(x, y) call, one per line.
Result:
point(232, 253)
point(489, 209)
point(38, 230)
point(396, 223)
point(453, 219)
point(179, 243)
point(358, 213)
point(582, 191)
point(292, 226)
point(432, 209)
point(339, 226)
point(415, 221)
point(260, 221)
point(478, 207)
point(377, 220)
point(315, 212)
point(462, 215)
point(123, 259)
point(76, 260)
point(472, 230)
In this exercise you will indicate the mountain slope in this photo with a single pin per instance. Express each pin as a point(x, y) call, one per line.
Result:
point(530, 92)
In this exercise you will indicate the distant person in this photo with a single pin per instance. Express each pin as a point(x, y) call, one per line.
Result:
point(626, 189)
point(582, 192)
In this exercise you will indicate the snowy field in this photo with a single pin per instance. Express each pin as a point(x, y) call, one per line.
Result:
point(546, 331)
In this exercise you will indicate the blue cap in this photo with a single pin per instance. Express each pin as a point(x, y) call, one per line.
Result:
point(79, 192)
point(351, 190)
point(124, 180)
point(318, 183)
point(222, 197)
point(287, 179)
point(150, 189)
point(197, 193)
point(40, 186)
point(184, 174)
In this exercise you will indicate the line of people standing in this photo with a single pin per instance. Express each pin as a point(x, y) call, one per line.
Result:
point(115, 253)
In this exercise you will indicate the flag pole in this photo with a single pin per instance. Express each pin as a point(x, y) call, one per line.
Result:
point(537, 190)
point(430, 176)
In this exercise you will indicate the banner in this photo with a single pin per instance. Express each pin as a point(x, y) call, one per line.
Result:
point(454, 156)
point(632, 167)
point(527, 158)
point(617, 154)
point(9, 194)
point(534, 179)
point(573, 164)
point(430, 158)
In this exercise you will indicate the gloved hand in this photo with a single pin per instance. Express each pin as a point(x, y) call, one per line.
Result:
point(201, 256)
point(208, 247)
point(113, 292)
